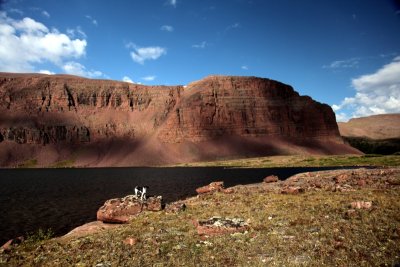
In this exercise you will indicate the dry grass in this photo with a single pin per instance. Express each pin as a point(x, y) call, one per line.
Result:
point(305, 161)
point(31, 163)
point(309, 229)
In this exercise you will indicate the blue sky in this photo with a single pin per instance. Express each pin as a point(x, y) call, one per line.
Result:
point(345, 53)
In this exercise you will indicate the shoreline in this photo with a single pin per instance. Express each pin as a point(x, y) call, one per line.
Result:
point(97, 226)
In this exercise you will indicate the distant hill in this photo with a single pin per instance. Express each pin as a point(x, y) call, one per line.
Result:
point(374, 127)
point(377, 134)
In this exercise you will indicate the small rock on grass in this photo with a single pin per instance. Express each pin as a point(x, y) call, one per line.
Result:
point(228, 191)
point(10, 243)
point(350, 213)
point(131, 241)
point(175, 207)
point(341, 178)
point(292, 190)
point(361, 205)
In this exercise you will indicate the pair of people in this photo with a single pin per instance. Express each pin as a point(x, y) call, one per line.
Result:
point(141, 191)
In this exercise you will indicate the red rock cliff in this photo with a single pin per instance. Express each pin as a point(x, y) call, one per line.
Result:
point(129, 124)
point(247, 106)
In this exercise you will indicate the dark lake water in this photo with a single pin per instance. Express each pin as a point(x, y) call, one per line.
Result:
point(62, 199)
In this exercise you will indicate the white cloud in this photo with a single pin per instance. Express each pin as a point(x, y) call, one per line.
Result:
point(76, 68)
point(26, 42)
point(376, 93)
point(149, 78)
point(92, 20)
point(340, 64)
point(141, 54)
point(341, 116)
point(167, 28)
point(46, 14)
point(30, 26)
point(201, 45)
point(46, 72)
point(244, 67)
point(127, 79)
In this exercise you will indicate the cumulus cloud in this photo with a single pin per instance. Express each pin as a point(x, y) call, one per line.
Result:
point(376, 93)
point(141, 54)
point(167, 28)
point(76, 68)
point(202, 45)
point(244, 67)
point(26, 42)
point(149, 78)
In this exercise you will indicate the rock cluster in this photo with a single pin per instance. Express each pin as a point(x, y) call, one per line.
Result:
point(338, 180)
point(219, 226)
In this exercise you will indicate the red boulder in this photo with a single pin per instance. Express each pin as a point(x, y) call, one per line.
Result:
point(211, 188)
point(122, 210)
point(271, 179)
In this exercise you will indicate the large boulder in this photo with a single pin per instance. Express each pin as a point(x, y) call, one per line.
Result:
point(122, 210)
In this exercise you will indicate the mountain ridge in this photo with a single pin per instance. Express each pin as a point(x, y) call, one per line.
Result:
point(53, 118)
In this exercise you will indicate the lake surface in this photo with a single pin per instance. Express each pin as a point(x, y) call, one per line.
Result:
point(62, 199)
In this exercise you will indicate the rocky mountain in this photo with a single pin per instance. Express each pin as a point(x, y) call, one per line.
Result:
point(68, 120)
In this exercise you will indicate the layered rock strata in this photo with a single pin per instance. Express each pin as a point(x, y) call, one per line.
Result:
point(110, 123)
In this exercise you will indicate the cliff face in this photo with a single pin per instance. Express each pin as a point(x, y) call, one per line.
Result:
point(72, 113)
point(246, 106)
point(50, 109)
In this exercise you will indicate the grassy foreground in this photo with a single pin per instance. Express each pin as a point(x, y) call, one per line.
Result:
point(304, 161)
point(308, 229)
